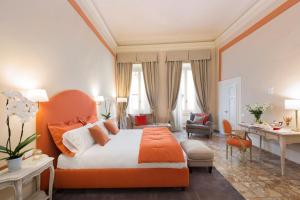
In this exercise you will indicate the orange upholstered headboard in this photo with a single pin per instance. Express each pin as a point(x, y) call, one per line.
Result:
point(63, 107)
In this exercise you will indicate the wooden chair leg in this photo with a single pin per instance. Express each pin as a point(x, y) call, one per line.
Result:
point(231, 151)
point(210, 169)
point(226, 151)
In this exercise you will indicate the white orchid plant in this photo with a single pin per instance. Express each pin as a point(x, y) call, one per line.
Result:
point(25, 109)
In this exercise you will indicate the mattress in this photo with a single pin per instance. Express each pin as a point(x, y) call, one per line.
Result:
point(121, 151)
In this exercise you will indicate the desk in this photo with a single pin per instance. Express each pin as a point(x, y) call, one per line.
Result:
point(30, 169)
point(283, 136)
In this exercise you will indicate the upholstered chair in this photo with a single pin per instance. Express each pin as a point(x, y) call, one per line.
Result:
point(193, 127)
point(236, 138)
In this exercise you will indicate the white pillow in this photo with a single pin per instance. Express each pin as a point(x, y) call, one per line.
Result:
point(78, 140)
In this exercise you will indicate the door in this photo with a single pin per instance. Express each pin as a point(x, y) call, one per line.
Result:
point(229, 102)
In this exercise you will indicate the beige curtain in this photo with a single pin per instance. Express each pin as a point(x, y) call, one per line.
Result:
point(200, 70)
point(150, 73)
point(173, 84)
point(123, 83)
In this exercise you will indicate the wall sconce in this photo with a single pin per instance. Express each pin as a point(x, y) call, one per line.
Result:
point(99, 99)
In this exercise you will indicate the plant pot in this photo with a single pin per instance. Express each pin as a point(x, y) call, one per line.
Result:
point(14, 164)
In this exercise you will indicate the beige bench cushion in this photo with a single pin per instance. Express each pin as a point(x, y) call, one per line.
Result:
point(197, 150)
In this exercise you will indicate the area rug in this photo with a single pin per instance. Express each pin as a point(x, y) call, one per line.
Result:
point(203, 186)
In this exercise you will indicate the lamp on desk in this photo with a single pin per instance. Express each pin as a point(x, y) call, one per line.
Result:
point(293, 104)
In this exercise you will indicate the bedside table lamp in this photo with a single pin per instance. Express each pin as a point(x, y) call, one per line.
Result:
point(121, 100)
point(293, 104)
point(99, 99)
point(36, 95)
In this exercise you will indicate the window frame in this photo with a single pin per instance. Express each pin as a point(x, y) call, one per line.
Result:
point(185, 94)
point(137, 67)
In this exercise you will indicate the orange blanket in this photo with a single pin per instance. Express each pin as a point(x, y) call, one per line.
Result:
point(159, 145)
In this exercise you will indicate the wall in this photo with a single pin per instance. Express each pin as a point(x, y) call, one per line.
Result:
point(46, 44)
point(268, 58)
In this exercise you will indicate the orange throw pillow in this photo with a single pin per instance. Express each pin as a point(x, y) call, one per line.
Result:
point(111, 126)
point(99, 135)
point(57, 132)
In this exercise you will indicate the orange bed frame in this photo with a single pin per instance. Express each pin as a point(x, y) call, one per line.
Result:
point(70, 104)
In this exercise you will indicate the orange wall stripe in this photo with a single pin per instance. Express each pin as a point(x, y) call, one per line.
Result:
point(279, 10)
point(88, 22)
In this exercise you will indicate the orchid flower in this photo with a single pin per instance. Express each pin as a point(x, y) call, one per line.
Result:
point(19, 106)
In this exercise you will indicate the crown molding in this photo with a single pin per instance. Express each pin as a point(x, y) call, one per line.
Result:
point(251, 16)
point(95, 17)
point(167, 47)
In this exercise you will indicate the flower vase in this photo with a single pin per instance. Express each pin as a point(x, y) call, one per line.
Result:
point(257, 118)
point(14, 164)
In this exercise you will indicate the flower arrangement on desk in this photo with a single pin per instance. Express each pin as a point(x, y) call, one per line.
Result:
point(20, 106)
point(257, 110)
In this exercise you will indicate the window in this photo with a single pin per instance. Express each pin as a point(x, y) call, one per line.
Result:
point(187, 97)
point(187, 90)
point(138, 102)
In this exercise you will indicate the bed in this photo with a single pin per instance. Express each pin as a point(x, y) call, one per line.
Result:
point(113, 166)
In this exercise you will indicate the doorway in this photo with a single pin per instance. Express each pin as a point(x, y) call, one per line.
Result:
point(230, 102)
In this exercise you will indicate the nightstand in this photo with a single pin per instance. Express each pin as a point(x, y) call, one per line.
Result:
point(31, 169)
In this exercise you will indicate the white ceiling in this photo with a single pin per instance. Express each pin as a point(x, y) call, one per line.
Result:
point(136, 22)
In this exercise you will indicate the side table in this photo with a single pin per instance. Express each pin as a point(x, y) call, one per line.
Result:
point(31, 169)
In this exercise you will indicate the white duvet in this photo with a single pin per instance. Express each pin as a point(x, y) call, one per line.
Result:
point(121, 151)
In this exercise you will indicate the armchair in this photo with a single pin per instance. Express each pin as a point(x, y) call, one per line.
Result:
point(199, 128)
point(236, 138)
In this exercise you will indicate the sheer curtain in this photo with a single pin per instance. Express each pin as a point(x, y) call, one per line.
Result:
point(187, 97)
point(138, 102)
point(123, 81)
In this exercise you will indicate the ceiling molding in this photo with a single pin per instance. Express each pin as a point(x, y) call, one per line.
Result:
point(255, 13)
point(252, 15)
point(167, 47)
point(95, 17)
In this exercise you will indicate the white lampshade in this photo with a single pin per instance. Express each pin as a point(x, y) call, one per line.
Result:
point(36, 95)
point(121, 100)
point(99, 99)
point(292, 104)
